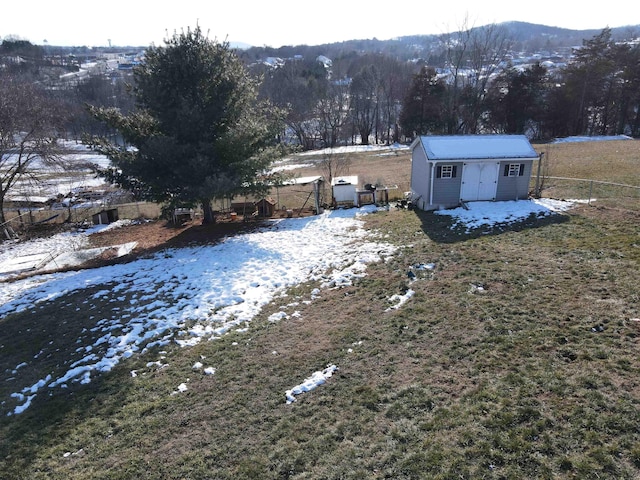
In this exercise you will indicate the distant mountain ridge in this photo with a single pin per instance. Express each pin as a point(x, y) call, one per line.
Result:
point(526, 36)
point(523, 31)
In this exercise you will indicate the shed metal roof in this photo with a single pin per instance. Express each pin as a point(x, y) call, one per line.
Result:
point(469, 147)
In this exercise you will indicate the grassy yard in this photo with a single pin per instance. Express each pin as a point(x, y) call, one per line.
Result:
point(615, 161)
point(517, 357)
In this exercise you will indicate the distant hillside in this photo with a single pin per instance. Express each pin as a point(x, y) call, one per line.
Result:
point(533, 37)
point(526, 36)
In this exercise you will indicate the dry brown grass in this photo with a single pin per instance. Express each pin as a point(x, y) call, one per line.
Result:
point(616, 161)
point(510, 382)
point(390, 167)
point(611, 161)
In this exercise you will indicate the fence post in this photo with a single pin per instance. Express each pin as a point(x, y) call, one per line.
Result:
point(538, 175)
point(590, 191)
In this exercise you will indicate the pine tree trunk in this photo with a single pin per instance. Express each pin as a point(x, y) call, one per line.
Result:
point(207, 212)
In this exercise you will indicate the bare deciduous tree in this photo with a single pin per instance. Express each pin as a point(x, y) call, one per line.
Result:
point(297, 86)
point(364, 101)
point(474, 55)
point(29, 126)
point(395, 78)
point(334, 165)
point(332, 112)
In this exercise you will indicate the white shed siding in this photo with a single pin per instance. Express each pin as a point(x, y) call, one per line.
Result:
point(479, 181)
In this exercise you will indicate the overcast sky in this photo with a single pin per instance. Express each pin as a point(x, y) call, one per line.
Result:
point(286, 22)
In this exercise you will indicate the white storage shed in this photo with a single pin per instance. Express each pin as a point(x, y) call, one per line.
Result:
point(345, 191)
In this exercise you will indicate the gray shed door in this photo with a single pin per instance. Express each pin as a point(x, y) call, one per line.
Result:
point(479, 181)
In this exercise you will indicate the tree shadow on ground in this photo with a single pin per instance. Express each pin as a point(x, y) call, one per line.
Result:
point(51, 422)
point(446, 229)
point(40, 340)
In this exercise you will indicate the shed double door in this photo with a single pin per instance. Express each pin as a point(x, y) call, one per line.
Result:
point(479, 181)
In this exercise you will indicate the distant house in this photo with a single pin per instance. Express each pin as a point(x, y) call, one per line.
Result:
point(449, 170)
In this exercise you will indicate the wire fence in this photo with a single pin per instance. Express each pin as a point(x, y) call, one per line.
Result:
point(595, 192)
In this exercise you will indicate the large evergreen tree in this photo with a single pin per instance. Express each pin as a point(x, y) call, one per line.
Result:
point(198, 132)
point(423, 107)
point(598, 92)
point(515, 100)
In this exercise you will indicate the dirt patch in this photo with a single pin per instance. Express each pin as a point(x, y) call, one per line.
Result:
point(155, 235)
point(150, 236)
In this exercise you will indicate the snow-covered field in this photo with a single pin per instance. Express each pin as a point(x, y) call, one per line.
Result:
point(188, 295)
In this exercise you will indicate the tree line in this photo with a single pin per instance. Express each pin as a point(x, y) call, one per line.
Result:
point(376, 98)
point(194, 122)
point(466, 86)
